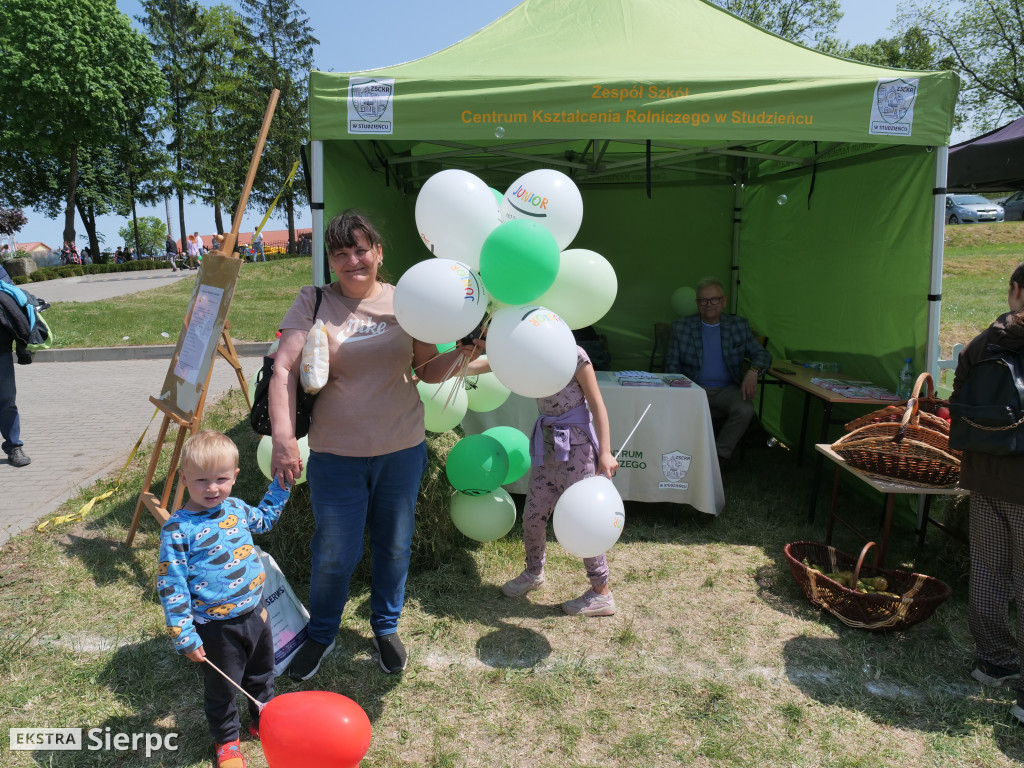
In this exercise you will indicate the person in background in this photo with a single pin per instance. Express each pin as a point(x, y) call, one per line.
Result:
point(119, 256)
point(257, 244)
point(200, 243)
point(996, 519)
point(5, 252)
point(367, 439)
point(710, 348)
point(10, 421)
point(171, 249)
point(193, 252)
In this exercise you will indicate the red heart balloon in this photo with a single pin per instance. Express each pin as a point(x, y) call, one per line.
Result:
point(307, 729)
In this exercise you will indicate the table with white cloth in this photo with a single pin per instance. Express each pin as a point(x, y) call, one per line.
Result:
point(671, 456)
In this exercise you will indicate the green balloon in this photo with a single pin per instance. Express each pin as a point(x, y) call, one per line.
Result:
point(517, 446)
point(442, 348)
point(477, 465)
point(519, 261)
point(483, 518)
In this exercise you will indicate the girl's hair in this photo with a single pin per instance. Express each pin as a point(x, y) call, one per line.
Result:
point(342, 231)
point(191, 238)
point(208, 448)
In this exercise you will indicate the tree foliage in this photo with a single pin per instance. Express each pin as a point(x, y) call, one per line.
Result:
point(911, 50)
point(811, 22)
point(280, 32)
point(984, 40)
point(151, 234)
point(11, 220)
point(71, 71)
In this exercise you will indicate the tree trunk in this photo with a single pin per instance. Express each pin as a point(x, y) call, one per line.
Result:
point(181, 221)
point(290, 207)
point(88, 216)
point(135, 229)
point(69, 208)
point(218, 219)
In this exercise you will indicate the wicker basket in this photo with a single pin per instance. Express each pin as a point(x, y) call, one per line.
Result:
point(904, 451)
point(926, 406)
point(920, 595)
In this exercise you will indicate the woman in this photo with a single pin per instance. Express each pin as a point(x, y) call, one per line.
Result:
point(193, 252)
point(367, 450)
point(996, 521)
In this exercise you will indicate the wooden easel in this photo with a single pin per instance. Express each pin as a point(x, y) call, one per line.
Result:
point(188, 423)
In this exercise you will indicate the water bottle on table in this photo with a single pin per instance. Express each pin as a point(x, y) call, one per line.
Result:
point(905, 380)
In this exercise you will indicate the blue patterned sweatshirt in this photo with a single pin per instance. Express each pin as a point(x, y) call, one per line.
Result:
point(209, 569)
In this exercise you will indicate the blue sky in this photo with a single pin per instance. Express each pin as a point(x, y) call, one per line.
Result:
point(363, 35)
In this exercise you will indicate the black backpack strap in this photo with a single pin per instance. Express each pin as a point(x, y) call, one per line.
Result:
point(319, 297)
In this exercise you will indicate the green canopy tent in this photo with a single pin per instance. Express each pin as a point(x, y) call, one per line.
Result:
point(809, 184)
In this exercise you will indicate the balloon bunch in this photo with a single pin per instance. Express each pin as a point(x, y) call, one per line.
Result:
point(501, 263)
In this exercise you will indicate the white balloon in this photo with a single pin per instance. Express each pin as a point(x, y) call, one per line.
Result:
point(589, 516)
point(438, 417)
point(531, 350)
point(485, 392)
point(548, 197)
point(455, 211)
point(439, 300)
point(584, 289)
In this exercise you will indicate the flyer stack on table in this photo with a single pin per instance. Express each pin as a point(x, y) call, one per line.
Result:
point(671, 456)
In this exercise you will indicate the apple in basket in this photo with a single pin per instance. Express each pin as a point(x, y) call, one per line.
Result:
point(943, 413)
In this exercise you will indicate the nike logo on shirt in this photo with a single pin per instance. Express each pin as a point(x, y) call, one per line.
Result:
point(361, 330)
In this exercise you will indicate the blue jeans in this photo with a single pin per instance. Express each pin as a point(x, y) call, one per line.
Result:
point(349, 495)
point(10, 425)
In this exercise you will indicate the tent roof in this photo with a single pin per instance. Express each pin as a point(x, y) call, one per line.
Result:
point(675, 70)
point(992, 162)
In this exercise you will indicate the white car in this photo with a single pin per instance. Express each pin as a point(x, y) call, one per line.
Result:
point(961, 209)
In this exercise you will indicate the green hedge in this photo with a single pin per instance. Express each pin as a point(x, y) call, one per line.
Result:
point(76, 270)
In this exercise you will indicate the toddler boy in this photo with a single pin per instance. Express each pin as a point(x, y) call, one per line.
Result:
point(210, 582)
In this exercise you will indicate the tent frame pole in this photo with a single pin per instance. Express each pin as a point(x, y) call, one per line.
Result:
point(317, 209)
point(737, 223)
point(935, 283)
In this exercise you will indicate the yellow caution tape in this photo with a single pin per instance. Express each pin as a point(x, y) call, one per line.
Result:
point(87, 507)
point(273, 205)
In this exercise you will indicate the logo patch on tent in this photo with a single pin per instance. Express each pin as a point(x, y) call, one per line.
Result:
point(892, 109)
point(370, 105)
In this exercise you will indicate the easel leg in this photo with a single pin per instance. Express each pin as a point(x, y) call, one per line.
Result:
point(153, 461)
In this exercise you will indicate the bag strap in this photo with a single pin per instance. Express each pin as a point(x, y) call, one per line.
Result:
point(319, 297)
point(1014, 361)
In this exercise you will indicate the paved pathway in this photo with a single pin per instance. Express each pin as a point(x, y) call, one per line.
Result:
point(79, 420)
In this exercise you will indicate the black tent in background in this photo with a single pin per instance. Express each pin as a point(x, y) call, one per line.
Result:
point(993, 162)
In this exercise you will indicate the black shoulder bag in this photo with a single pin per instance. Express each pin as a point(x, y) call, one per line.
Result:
point(259, 417)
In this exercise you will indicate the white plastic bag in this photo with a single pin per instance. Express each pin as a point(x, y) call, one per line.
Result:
point(316, 363)
point(286, 615)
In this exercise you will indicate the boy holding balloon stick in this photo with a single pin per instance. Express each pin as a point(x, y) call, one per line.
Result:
point(210, 582)
point(570, 442)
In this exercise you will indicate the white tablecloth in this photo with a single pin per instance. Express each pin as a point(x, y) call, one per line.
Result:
point(671, 456)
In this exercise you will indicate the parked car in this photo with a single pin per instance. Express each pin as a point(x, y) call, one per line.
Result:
point(1013, 208)
point(964, 208)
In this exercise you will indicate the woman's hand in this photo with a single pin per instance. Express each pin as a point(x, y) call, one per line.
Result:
point(285, 462)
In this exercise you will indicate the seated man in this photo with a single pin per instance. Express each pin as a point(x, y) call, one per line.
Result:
point(709, 348)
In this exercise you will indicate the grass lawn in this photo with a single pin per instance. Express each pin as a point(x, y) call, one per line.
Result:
point(714, 658)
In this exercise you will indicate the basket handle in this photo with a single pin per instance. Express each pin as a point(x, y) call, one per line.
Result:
point(860, 562)
point(910, 416)
point(920, 382)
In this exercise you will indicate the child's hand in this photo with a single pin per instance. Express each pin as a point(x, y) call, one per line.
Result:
point(607, 464)
point(198, 655)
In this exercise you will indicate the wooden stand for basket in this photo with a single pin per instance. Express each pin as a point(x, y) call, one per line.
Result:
point(187, 416)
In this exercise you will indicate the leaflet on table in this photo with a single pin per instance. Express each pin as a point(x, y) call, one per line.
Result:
point(864, 390)
point(648, 379)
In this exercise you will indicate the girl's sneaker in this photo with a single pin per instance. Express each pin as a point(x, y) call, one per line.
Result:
point(590, 603)
point(229, 755)
point(521, 584)
point(254, 730)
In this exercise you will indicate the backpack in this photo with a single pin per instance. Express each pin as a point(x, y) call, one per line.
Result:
point(988, 414)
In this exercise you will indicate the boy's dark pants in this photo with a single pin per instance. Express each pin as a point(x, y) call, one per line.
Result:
point(243, 648)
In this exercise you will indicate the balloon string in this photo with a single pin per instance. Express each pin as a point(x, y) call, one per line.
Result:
point(633, 430)
point(259, 704)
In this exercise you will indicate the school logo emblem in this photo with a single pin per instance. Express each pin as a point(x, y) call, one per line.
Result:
point(675, 465)
point(892, 110)
point(370, 105)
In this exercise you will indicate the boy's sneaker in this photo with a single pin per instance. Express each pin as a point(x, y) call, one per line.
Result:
point(521, 584)
point(307, 661)
point(229, 755)
point(993, 675)
point(393, 657)
point(590, 603)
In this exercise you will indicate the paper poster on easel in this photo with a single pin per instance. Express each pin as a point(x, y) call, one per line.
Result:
point(200, 334)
